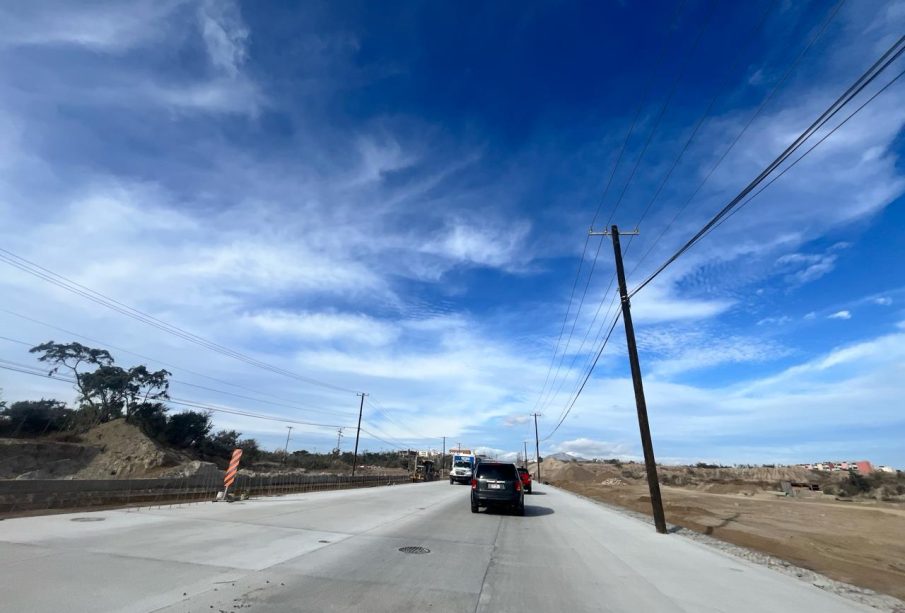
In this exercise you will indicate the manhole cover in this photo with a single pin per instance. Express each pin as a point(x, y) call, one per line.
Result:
point(88, 519)
point(414, 550)
point(323, 541)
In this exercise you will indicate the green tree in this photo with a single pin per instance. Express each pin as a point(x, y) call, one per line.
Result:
point(107, 391)
point(188, 429)
point(34, 417)
point(151, 417)
point(72, 356)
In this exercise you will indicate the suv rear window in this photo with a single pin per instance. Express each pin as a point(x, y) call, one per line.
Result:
point(522, 470)
point(499, 472)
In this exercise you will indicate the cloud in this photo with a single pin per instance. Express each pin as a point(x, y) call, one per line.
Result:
point(590, 448)
point(516, 420)
point(679, 350)
point(810, 267)
point(484, 245)
point(883, 301)
point(352, 329)
point(779, 320)
point(840, 315)
point(108, 27)
point(656, 304)
point(225, 35)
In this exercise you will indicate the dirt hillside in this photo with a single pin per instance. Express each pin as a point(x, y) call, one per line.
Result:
point(114, 450)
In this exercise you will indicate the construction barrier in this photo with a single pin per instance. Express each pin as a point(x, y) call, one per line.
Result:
point(21, 496)
point(233, 469)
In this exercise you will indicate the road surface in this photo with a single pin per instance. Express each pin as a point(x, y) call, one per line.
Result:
point(339, 551)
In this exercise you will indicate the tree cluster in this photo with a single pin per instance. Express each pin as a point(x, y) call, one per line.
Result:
point(105, 392)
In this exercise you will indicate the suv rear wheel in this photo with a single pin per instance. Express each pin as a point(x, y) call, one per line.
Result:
point(474, 507)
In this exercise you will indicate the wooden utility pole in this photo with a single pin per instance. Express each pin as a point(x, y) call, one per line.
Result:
point(650, 462)
point(361, 408)
point(526, 454)
point(537, 458)
point(286, 448)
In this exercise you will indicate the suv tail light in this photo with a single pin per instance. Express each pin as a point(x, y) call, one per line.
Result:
point(474, 484)
point(518, 486)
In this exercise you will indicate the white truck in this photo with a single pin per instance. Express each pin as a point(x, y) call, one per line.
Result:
point(463, 465)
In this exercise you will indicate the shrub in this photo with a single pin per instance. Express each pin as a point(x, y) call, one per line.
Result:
point(35, 417)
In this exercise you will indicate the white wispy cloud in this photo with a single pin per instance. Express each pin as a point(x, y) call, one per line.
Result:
point(350, 328)
point(844, 314)
point(591, 448)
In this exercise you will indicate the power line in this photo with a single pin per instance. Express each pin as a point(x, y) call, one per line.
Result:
point(587, 376)
point(180, 382)
point(76, 288)
point(703, 118)
point(890, 56)
point(774, 90)
point(153, 359)
point(814, 146)
point(384, 412)
point(646, 91)
point(30, 370)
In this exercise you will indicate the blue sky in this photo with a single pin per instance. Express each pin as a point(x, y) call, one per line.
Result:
point(394, 197)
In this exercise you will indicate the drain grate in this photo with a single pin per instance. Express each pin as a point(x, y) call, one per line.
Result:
point(414, 550)
point(88, 519)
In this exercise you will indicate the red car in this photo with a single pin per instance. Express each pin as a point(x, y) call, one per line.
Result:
point(526, 478)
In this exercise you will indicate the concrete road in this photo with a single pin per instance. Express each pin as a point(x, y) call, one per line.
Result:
point(339, 551)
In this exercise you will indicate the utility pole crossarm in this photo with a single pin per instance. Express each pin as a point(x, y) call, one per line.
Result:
point(591, 232)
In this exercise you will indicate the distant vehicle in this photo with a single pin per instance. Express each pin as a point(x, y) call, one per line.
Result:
point(463, 463)
point(497, 484)
point(424, 471)
point(526, 478)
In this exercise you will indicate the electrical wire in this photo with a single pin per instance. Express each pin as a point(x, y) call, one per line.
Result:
point(646, 91)
point(295, 407)
point(770, 96)
point(814, 146)
point(155, 360)
point(587, 377)
point(30, 370)
point(890, 56)
point(546, 397)
point(76, 288)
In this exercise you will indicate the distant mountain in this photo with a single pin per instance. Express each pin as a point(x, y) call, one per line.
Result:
point(566, 457)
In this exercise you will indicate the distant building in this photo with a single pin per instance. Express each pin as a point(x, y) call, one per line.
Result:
point(886, 469)
point(862, 466)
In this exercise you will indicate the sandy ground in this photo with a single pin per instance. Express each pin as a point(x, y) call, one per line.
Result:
point(861, 543)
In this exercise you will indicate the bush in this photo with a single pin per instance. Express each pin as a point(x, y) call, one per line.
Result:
point(854, 485)
point(34, 417)
point(188, 429)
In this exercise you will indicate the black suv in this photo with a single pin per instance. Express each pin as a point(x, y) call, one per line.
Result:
point(497, 483)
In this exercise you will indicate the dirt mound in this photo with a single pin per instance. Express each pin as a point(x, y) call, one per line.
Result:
point(125, 452)
point(577, 474)
point(41, 459)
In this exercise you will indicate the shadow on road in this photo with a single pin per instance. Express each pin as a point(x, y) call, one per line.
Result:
point(530, 511)
point(538, 494)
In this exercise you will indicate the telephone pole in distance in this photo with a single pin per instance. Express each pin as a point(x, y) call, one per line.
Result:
point(537, 444)
point(286, 448)
point(646, 443)
point(361, 408)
